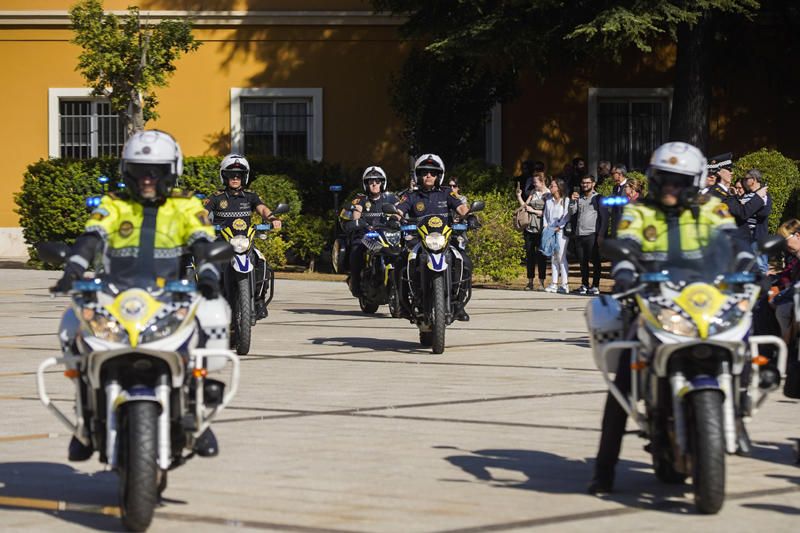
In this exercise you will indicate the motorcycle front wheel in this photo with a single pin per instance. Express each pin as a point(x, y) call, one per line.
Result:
point(242, 314)
point(138, 467)
point(708, 450)
point(438, 318)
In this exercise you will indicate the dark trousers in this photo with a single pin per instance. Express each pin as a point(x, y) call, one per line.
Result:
point(586, 249)
point(356, 257)
point(614, 419)
point(533, 256)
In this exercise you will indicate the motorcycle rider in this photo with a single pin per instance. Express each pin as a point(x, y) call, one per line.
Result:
point(672, 225)
point(143, 231)
point(233, 206)
point(431, 198)
point(364, 213)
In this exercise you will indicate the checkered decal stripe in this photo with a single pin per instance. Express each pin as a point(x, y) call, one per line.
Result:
point(216, 333)
point(232, 214)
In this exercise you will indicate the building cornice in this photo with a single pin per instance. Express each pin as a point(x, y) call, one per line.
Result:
point(60, 18)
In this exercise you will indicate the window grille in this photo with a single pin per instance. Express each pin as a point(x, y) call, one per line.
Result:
point(277, 127)
point(88, 128)
point(630, 129)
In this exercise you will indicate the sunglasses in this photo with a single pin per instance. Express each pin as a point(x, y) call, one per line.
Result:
point(422, 172)
point(147, 170)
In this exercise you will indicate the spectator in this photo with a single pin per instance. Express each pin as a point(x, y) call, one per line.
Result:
point(452, 182)
point(711, 180)
point(556, 216)
point(578, 172)
point(603, 172)
point(753, 223)
point(590, 219)
point(722, 187)
point(783, 303)
point(632, 189)
point(534, 258)
point(738, 189)
point(620, 176)
point(526, 178)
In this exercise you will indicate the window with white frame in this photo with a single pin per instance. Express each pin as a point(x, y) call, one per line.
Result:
point(277, 122)
point(626, 125)
point(83, 126)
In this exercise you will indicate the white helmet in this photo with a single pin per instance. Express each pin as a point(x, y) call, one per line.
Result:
point(234, 165)
point(373, 172)
point(151, 153)
point(429, 162)
point(677, 161)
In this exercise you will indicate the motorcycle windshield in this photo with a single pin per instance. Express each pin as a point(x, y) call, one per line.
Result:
point(702, 259)
point(138, 258)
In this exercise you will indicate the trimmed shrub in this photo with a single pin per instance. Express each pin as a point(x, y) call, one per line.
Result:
point(201, 174)
point(783, 179)
point(496, 248)
point(477, 177)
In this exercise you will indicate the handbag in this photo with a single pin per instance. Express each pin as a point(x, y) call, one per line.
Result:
point(522, 219)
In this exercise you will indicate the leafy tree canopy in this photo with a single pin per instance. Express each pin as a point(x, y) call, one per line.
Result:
point(125, 58)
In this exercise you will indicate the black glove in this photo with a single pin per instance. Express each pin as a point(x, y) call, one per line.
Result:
point(208, 284)
point(624, 280)
point(72, 272)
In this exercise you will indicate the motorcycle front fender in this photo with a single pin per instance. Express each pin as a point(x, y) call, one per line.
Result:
point(241, 263)
point(437, 262)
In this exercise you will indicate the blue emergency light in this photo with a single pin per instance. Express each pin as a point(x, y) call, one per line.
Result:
point(93, 201)
point(335, 188)
point(613, 201)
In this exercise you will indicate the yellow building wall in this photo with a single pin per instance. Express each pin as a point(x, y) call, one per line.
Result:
point(351, 64)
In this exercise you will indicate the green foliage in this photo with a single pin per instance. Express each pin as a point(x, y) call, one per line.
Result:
point(274, 249)
point(278, 188)
point(783, 180)
point(496, 248)
point(124, 58)
point(52, 202)
point(607, 186)
point(477, 177)
point(200, 174)
point(308, 236)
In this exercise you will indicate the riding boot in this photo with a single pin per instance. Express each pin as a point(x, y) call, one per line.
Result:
point(261, 310)
point(78, 451)
point(744, 447)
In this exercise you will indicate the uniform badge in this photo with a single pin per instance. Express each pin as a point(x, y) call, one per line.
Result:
point(126, 228)
point(650, 233)
point(239, 224)
point(97, 216)
point(202, 216)
point(420, 207)
point(722, 210)
point(435, 222)
point(367, 206)
point(624, 224)
point(223, 204)
point(356, 200)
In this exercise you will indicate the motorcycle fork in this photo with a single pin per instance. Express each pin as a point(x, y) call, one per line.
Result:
point(162, 392)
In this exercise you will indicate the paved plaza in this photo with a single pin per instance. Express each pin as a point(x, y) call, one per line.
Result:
point(344, 423)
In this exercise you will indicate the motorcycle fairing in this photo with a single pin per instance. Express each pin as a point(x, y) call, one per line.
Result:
point(241, 263)
point(437, 262)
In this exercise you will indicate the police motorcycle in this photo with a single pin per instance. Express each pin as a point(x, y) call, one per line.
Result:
point(241, 285)
point(688, 349)
point(144, 394)
point(431, 281)
point(383, 245)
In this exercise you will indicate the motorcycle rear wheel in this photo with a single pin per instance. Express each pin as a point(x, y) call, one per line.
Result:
point(242, 314)
point(438, 322)
point(138, 467)
point(708, 450)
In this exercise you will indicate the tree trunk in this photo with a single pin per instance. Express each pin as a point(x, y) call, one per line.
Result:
point(691, 102)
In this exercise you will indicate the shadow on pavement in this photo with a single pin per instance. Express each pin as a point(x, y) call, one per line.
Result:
point(784, 453)
point(61, 491)
point(784, 509)
point(388, 345)
point(635, 486)
point(334, 312)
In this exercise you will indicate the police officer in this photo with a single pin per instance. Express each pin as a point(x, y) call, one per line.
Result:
point(720, 167)
point(431, 198)
point(669, 226)
point(233, 206)
point(364, 213)
point(143, 231)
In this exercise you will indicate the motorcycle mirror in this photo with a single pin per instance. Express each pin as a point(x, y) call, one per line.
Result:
point(213, 252)
point(617, 250)
point(54, 253)
point(280, 209)
point(388, 209)
point(477, 205)
point(771, 244)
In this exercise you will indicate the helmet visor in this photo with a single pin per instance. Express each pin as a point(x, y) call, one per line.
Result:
point(673, 179)
point(148, 170)
point(234, 174)
point(421, 172)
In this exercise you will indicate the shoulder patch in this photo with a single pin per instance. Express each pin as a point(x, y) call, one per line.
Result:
point(722, 210)
point(453, 194)
point(356, 200)
point(202, 216)
point(624, 224)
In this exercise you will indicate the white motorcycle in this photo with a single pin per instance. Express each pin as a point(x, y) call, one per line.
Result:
point(689, 347)
point(143, 394)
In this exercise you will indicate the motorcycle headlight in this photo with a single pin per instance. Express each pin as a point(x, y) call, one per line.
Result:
point(675, 323)
point(434, 241)
point(106, 328)
point(164, 327)
point(392, 237)
point(240, 244)
point(729, 318)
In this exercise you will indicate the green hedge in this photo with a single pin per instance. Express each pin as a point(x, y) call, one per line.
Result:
point(783, 180)
point(607, 186)
point(496, 248)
